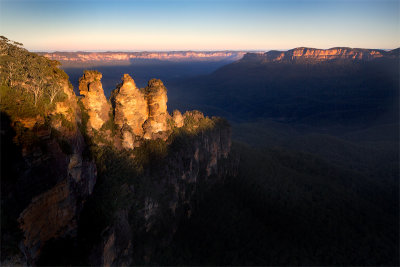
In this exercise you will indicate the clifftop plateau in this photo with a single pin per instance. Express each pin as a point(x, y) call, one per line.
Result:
point(317, 55)
point(128, 56)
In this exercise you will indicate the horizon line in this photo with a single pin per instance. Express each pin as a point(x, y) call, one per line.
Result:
point(199, 50)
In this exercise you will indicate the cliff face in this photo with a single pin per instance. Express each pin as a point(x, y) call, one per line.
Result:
point(171, 158)
point(94, 99)
point(166, 191)
point(56, 179)
point(318, 55)
point(46, 176)
point(111, 184)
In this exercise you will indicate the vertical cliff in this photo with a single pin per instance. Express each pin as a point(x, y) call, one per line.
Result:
point(162, 182)
point(162, 164)
point(46, 173)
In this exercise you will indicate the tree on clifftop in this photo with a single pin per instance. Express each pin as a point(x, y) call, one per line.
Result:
point(54, 89)
point(30, 84)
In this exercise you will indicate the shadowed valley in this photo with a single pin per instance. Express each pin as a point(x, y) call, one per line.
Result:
point(98, 170)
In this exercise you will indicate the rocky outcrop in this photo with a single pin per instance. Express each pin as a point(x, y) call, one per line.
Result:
point(156, 96)
point(304, 54)
point(198, 157)
point(178, 118)
point(94, 100)
point(130, 111)
point(140, 113)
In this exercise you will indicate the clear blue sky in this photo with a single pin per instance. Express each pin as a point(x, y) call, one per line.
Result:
point(135, 25)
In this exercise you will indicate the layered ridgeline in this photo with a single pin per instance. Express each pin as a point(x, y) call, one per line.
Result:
point(86, 180)
point(303, 85)
point(121, 57)
point(313, 55)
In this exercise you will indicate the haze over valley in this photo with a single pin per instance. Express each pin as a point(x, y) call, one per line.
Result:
point(207, 133)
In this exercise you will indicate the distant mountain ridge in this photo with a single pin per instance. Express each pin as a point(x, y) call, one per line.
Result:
point(314, 54)
point(292, 55)
point(128, 56)
point(302, 85)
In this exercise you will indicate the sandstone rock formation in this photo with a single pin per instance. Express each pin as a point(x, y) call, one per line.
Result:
point(140, 113)
point(178, 118)
point(317, 55)
point(49, 174)
point(156, 96)
point(94, 99)
point(130, 111)
point(195, 159)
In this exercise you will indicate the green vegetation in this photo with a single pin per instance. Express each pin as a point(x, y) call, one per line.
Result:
point(64, 121)
point(29, 84)
point(195, 123)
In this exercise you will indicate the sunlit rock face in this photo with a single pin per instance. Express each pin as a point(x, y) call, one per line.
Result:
point(94, 100)
point(123, 57)
point(156, 96)
point(178, 118)
point(130, 111)
point(333, 53)
point(317, 55)
point(68, 107)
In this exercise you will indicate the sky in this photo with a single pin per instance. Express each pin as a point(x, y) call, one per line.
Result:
point(165, 25)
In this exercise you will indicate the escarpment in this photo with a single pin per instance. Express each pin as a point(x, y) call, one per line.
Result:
point(169, 158)
point(46, 174)
point(305, 54)
point(194, 158)
point(100, 179)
